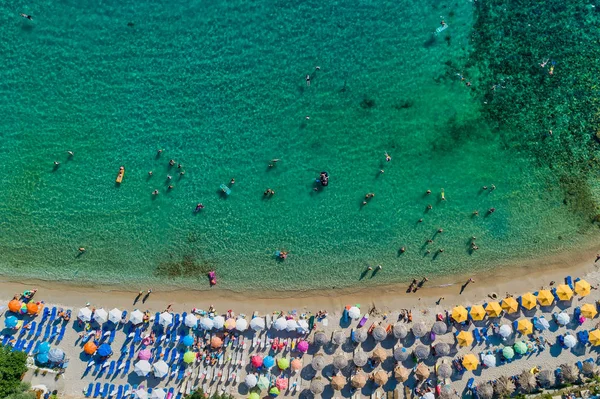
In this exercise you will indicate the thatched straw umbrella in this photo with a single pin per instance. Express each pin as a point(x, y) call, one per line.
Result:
point(317, 386)
point(442, 349)
point(504, 386)
point(444, 370)
point(340, 362)
point(318, 362)
point(422, 352)
point(380, 377)
point(400, 331)
point(320, 338)
point(360, 358)
point(338, 338)
point(589, 368)
point(527, 381)
point(379, 355)
point(401, 373)
point(419, 329)
point(485, 391)
point(379, 333)
point(401, 354)
point(359, 380)
point(422, 372)
point(546, 378)
point(448, 394)
point(338, 382)
point(439, 328)
point(360, 335)
point(569, 373)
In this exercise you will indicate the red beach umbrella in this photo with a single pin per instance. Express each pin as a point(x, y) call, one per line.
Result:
point(281, 383)
point(256, 361)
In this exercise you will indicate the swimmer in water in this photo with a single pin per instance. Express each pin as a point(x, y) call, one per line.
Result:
point(70, 153)
point(29, 17)
point(155, 192)
point(387, 157)
point(308, 80)
point(199, 207)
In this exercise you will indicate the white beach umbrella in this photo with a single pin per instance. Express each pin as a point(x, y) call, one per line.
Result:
point(562, 319)
point(142, 368)
point(489, 360)
point(280, 324)
point(158, 393)
point(141, 394)
point(302, 326)
point(101, 315)
point(570, 341)
point(206, 323)
point(428, 395)
point(115, 315)
point(191, 321)
point(292, 325)
point(136, 317)
point(505, 331)
point(251, 381)
point(354, 313)
point(218, 322)
point(241, 325)
point(165, 319)
point(160, 369)
point(257, 324)
point(542, 324)
point(85, 314)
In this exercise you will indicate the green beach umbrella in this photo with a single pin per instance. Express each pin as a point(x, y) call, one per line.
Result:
point(189, 357)
point(520, 347)
point(283, 363)
point(273, 392)
point(254, 395)
point(508, 352)
point(263, 383)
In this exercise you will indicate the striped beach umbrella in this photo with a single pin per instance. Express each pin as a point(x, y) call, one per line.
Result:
point(459, 314)
point(510, 305)
point(493, 309)
point(545, 298)
point(528, 301)
point(582, 288)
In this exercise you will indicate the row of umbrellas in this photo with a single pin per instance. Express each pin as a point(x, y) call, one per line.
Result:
point(17, 306)
point(45, 354)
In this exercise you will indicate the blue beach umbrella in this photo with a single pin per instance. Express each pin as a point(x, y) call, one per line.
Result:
point(268, 362)
point(44, 347)
point(42, 358)
point(104, 350)
point(188, 340)
point(11, 322)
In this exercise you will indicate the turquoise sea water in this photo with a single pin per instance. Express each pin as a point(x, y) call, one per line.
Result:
point(220, 86)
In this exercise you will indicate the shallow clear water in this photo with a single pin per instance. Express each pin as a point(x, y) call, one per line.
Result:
point(220, 86)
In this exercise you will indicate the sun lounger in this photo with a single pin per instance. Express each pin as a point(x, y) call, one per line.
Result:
point(105, 391)
point(157, 353)
point(126, 390)
point(54, 332)
point(35, 349)
point(576, 313)
point(29, 347)
point(470, 383)
point(579, 365)
point(173, 355)
point(16, 345)
point(45, 314)
point(131, 351)
point(97, 389)
point(47, 332)
point(52, 315)
point(126, 368)
point(515, 324)
point(111, 369)
point(170, 393)
point(111, 338)
point(569, 282)
point(38, 332)
point(174, 335)
point(88, 392)
point(61, 334)
point(31, 329)
point(176, 321)
point(166, 354)
point(156, 319)
point(180, 374)
point(561, 341)
point(21, 346)
point(476, 335)
point(138, 335)
point(119, 394)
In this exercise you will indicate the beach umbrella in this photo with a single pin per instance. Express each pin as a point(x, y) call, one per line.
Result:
point(400, 331)
point(360, 336)
point(104, 350)
point(158, 393)
point(439, 328)
point(280, 324)
point(527, 381)
point(380, 377)
point(485, 390)
point(477, 312)
point(253, 395)
point(216, 342)
point(379, 355)
point(508, 352)
point(464, 338)
point(338, 382)
point(283, 363)
point(189, 357)
point(428, 395)
point(570, 341)
point(257, 324)
point(317, 386)
point(230, 324)
point(274, 392)
point(218, 322)
point(114, 315)
point(594, 337)
point(401, 373)
point(589, 311)
point(256, 361)
point(269, 362)
point(292, 325)
point(281, 383)
point(145, 354)
point(160, 369)
point(354, 313)
point(360, 358)
point(528, 301)
point(379, 333)
point(302, 346)
point(32, 308)
point(504, 387)
point(489, 360)
point(90, 348)
point(100, 316)
point(419, 329)
point(296, 364)
point(11, 322)
point(525, 327)
point(136, 317)
point(422, 372)
point(188, 340)
point(165, 319)
point(541, 324)
point(44, 347)
point(14, 306)
point(442, 349)
point(338, 338)
point(250, 380)
point(564, 292)
point(563, 319)
point(340, 362)
point(320, 338)
point(546, 378)
point(520, 347)
point(421, 352)
point(470, 361)
point(142, 368)
point(444, 370)
point(358, 380)
point(85, 314)
point(56, 355)
point(241, 325)
point(263, 383)
point(401, 354)
point(493, 309)
point(582, 287)
point(42, 358)
point(545, 298)
point(190, 321)
point(141, 394)
point(318, 362)
point(589, 367)
point(510, 305)
point(505, 331)
point(206, 323)
point(303, 326)
point(459, 314)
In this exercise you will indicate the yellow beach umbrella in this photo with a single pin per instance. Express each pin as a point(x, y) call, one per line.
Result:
point(525, 327)
point(510, 305)
point(477, 312)
point(470, 362)
point(588, 310)
point(582, 287)
point(528, 301)
point(459, 314)
point(493, 309)
point(595, 337)
point(464, 338)
point(564, 292)
point(545, 298)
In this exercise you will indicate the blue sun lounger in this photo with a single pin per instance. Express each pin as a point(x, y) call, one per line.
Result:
point(111, 369)
point(156, 319)
point(47, 332)
point(98, 369)
point(181, 373)
point(476, 335)
point(105, 391)
point(176, 321)
point(138, 335)
point(119, 392)
point(97, 389)
point(35, 349)
point(16, 345)
point(579, 365)
point(52, 315)
point(38, 332)
point(111, 390)
point(29, 347)
point(32, 329)
point(173, 355)
point(131, 351)
point(126, 391)
point(111, 338)
point(569, 282)
point(157, 352)
point(179, 395)
point(89, 390)
point(126, 369)
point(54, 332)
point(45, 314)
point(61, 335)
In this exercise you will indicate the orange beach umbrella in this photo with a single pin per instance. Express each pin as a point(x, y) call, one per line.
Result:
point(90, 348)
point(510, 305)
point(528, 301)
point(493, 309)
point(216, 342)
point(545, 298)
point(32, 308)
point(14, 306)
